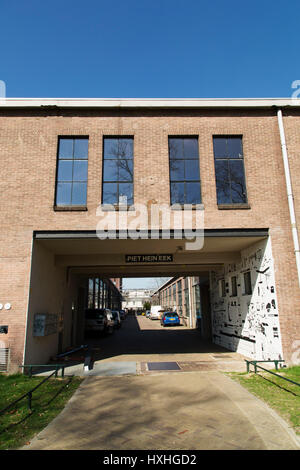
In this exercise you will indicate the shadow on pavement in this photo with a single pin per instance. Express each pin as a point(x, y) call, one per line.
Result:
point(130, 339)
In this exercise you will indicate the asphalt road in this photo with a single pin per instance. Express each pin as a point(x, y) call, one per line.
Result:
point(145, 338)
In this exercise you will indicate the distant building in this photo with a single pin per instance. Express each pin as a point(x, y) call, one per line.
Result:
point(134, 299)
point(189, 297)
point(118, 282)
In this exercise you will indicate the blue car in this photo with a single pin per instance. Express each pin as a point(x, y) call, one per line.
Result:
point(170, 318)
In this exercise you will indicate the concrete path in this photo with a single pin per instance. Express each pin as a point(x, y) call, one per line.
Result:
point(193, 410)
point(122, 405)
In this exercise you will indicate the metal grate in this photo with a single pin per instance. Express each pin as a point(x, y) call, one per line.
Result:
point(4, 355)
point(163, 366)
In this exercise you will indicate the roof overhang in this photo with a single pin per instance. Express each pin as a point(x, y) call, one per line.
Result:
point(117, 103)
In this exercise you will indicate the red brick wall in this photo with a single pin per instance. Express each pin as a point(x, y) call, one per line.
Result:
point(28, 146)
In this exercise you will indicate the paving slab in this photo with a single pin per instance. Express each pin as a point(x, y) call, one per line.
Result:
point(113, 368)
point(205, 411)
point(122, 405)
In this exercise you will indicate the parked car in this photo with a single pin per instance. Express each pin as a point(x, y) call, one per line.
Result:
point(110, 322)
point(98, 320)
point(156, 314)
point(170, 318)
point(148, 313)
point(122, 314)
point(117, 318)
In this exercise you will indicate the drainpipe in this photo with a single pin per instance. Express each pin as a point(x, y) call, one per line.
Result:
point(289, 191)
point(190, 301)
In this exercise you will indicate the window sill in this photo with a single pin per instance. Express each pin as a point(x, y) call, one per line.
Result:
point(70, 208)
point(117, 208)
point(181, 207)
point(233, 206)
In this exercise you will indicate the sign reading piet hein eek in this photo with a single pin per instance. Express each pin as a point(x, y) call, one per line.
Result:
point(149, 258)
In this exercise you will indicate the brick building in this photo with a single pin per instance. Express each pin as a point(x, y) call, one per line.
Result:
point(62, 158)
point(118, 282)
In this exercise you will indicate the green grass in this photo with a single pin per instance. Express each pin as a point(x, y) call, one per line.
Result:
point(18, 425)
point(279, 394)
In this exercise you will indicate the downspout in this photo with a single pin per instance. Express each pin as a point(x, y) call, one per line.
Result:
point(289, 191)
point(190, 301)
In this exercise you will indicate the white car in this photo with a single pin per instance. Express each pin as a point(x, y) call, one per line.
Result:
point(156, 315)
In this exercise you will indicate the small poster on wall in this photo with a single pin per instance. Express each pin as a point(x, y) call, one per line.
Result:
point(44, 324)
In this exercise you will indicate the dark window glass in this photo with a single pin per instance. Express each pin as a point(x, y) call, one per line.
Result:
point(220, 147)
point(110, 171)
point(192, 193)
point(65, 170)
point(117, 170)
point(126, 148)
point(234, 147)
point(65, 148)
point(176, 148)
point(115, 147)
point(72, 169)
point(177, 170)
point(110, 148)
point(126, 190)
point(177, 193)
point(125, 170)
point(229, 170)
point(191, 169)
point(94, 314)
point(237, 180)
point(223, 290)
point(233, 286)
point(247, 283)
point(80, 171)
point(79, 194)
point(110, 193)
point(81, 148)
point(191, 148)
point(63, 194)
point(222, 182)
point(184, 170)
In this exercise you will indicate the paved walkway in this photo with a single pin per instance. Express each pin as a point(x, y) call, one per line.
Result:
point(124, 405)
point(194, 410)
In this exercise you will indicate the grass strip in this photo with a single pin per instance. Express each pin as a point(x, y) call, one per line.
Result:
point(18, 424)
point(280, 395)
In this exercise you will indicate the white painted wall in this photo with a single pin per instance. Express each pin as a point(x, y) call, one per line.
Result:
point(248, 324)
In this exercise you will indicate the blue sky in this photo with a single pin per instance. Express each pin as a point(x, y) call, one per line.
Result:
point(147, 282)
point(149, 48)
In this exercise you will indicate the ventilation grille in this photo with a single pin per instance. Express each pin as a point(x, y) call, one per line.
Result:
point(4, 355)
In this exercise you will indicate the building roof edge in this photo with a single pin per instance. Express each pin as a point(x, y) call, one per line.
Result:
point(148, 102)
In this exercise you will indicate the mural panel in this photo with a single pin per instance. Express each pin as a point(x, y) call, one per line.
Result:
point(244, 305)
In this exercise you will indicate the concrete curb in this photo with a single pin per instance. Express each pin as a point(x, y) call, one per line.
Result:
point(253, 411)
